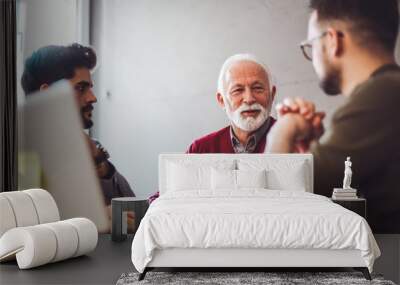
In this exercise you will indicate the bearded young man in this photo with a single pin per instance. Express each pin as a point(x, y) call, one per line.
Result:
point(74, 63)
point(246, 93)
point(351, 45)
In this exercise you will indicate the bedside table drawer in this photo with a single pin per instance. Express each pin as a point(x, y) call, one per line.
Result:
point(358, 206)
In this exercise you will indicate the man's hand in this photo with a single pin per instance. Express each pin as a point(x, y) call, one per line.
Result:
point(100, 157)
point(296, 105)
point(307, 110)
point(303, 107)
point(298, 125)
point(288, 133)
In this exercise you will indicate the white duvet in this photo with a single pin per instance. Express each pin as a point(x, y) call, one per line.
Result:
point(250, 218)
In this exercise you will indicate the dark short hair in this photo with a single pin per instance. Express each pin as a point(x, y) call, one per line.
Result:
point(52, 63)
point(373, 22)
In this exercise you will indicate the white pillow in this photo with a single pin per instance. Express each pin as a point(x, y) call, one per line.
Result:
point(292, 175)
point(251, 178)
point(237, 179)
point(189, 175)
point(223, 179)
point(186, 177)
point(292, 179)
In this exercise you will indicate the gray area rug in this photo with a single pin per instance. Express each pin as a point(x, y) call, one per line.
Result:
point(225, 278)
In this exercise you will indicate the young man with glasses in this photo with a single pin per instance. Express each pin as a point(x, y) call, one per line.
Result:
point(351, 45)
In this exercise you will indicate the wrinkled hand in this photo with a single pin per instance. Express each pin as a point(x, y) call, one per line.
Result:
point(308, 112)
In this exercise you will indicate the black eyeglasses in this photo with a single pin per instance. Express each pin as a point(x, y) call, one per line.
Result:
point(306, 46)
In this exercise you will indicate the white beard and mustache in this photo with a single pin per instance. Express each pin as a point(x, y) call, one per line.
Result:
point(248, 124)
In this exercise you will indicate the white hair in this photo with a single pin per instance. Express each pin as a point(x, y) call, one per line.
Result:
point(237, 58)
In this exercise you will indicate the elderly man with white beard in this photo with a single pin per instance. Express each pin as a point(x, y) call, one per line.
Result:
point(246, 93)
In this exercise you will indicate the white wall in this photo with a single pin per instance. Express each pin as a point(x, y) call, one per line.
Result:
point(49, 22)
point(159, 62)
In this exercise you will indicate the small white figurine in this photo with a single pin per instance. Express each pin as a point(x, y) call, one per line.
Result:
point(347, 174)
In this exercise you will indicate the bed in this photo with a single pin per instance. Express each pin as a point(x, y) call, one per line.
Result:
point(247, 210)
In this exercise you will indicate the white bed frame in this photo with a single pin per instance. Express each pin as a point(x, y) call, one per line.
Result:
point(251, 258)
point(234, 257)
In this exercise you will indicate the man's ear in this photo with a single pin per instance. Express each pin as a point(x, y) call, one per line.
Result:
point(220, 100)
point(273, 93)
point(44, 87)
point(335, 43)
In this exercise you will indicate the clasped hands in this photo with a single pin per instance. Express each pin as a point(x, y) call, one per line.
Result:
point(298, 125)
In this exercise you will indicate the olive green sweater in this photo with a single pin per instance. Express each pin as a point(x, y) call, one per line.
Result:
point(367, 128)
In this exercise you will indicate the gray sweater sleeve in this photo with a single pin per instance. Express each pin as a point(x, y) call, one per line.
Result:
point(115, 186)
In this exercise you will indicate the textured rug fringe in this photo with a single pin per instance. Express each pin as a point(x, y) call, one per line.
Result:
point(244, 278)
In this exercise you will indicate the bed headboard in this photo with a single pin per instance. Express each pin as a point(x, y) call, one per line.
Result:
point(278, 162)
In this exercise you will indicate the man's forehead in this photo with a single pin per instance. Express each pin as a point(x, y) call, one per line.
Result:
point(246, 69)
point(81, 75)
